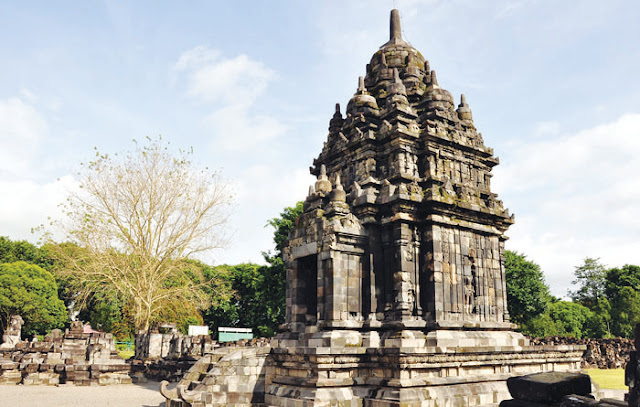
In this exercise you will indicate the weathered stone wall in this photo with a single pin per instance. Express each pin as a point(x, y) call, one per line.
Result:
point(610, 353)
point(173, 345)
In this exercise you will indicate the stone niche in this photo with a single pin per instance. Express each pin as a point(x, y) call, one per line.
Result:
point(396, 289)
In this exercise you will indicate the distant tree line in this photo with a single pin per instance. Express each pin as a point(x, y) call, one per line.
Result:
point(605, 303)
point(243, 295)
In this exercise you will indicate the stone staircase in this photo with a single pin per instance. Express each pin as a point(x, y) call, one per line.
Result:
point(236, 379)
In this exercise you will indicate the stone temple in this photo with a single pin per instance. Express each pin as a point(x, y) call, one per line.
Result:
point(396, 290)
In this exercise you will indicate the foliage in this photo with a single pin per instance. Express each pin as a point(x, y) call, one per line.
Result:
point(570, 318)
point(136, 219)
point(622, 290)
point(30, 291)
point(626, 308)
point(21, 250)
point(283, 225)
point(105, 312)
point(251, 302)
point(259, 292)
point(527, 293)
point(540, 326)
point(625, 276)
point(591, 279)
point(600, 323)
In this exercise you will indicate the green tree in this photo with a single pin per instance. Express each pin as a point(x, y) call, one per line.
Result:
point(570, 318)
point(626, 308)
point(30, 291)
point(259, 292)
point(591, 280)
point(527, 293)
point(275, 275)
point(21, 250)
point(600, 323)
point(541, 326)
point(283, 224)
point(625, 276)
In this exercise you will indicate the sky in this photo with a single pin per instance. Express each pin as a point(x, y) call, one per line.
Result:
point(251, 85)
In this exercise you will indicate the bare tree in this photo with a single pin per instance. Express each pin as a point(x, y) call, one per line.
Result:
point(136, 219)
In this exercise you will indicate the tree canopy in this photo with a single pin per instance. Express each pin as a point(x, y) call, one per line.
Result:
point(30, 291)
point(136, 219)
point(527, 293)
point(590, 279)
point(259, 292)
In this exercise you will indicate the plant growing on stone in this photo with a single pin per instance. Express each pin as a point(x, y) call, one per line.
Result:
point(135, 219)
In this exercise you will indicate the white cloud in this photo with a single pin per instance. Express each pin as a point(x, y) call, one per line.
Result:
point(30, 204)
point(21, 130)
point(235, 81)
point(232, 86)
point(575, 196)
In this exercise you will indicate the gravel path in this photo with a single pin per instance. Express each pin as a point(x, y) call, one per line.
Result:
point(121, 395)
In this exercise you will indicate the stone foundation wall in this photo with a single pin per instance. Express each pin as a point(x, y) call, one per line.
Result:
point(610, 353)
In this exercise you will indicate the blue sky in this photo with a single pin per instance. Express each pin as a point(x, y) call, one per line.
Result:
point(251, 86)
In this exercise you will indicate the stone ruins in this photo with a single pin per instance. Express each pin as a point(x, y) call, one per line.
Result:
point(395, 271)
point(75, 358)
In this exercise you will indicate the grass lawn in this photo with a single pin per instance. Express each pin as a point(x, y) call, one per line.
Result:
point(126, 354)
point(608, 378)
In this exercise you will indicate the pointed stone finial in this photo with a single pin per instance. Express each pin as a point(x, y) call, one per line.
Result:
point(427, 67)
point(323, 185)
point(464, 112)
point(434, 79)
point(311, 190)
point(395, 29)
point(338, 193)
point(336, 121)
point(396, 87)
point(361, 88)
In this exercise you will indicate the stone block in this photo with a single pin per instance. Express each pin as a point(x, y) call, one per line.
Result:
point(548, 387)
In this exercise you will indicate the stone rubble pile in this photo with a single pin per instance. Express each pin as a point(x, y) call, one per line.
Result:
point(75, 357)
point(612, 353)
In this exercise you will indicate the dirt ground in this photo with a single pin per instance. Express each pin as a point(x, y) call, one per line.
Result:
point(126, 395)
point(123, 395)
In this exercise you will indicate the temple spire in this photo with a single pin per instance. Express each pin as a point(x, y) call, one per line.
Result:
point(395, 28)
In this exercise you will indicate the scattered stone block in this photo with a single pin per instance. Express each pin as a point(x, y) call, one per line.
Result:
point(549, 387)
